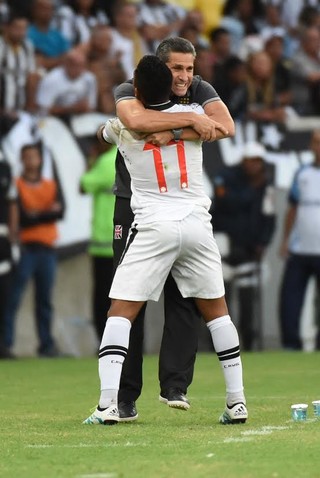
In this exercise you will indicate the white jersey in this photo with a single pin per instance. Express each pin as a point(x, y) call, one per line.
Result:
point(305, 194)
point(166, 182)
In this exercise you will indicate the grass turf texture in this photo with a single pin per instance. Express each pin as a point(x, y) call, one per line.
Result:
point(43, 403)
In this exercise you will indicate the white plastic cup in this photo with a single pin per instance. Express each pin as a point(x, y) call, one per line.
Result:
point(316, 408)
point(299, 412)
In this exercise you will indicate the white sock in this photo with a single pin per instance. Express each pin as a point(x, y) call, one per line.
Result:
point(113, 350)
point(226, 343)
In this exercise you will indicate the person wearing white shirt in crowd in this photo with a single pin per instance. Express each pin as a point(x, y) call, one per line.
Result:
point(127, 42)
point(69, 89)
point(77, 18)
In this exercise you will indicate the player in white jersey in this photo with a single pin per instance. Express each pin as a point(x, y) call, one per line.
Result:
point(171, 231)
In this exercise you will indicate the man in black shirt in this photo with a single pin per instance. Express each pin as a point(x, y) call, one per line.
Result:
point(180, 337)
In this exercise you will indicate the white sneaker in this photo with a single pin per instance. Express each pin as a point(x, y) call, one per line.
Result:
point(109, 416)
point(237, 413)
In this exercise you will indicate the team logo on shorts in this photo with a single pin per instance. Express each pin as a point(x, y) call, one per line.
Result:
point(118, 232)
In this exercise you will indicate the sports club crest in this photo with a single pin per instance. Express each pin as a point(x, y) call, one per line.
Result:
point(118, 231)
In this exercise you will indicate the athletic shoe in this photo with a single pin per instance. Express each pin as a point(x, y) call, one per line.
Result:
point(237, 413)
point(175, 398)
point(109, 416)
point(127, 411)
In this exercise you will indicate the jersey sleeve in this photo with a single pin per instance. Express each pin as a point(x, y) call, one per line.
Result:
point(205, 93)
point(125, 91)
point(111, 131)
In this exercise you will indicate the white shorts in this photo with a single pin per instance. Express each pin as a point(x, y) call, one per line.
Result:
point(186, 247)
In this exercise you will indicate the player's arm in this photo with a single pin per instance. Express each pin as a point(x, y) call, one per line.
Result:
point(137, 118)
point(219, 113)
point(216, 110)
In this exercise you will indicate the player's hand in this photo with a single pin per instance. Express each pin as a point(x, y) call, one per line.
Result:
point(206, 128)
point(159, 139)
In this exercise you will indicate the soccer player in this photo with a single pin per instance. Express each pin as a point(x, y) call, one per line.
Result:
point(176, 361)
point(171, 231)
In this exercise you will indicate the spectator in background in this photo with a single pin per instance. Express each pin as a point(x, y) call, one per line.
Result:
point(306, 73)
point(18, 76)
point(98, 181)
point(41, 205)
point(105, 65)
point(159, 19)
point(69, 89)
point(274, 47)
point(50, 45)
point(202, 63)
point(242, 18)
point(77, 18)
point(220, 48)
point(243, 209)
point(300, 247)
point(262, 101)
point(126, 39)
point(210, 11)
point(8, 237)
point(193, 27)
point(233, 89)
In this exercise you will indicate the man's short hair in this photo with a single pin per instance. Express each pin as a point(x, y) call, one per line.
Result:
point(174, 45)
point(153, 80)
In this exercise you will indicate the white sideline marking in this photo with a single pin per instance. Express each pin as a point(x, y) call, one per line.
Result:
point(89, 445)
point(257, 432)
point(237, 440)
point(98, 475)
point(267, 430)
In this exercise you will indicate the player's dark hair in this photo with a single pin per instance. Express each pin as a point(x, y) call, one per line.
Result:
point(174, 45)
point(153, 80)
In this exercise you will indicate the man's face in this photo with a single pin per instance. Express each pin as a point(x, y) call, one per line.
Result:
point(181, 66)
point(17, 31)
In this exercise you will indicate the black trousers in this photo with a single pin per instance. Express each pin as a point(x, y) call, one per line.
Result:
point(180, 334)
point(102, 274)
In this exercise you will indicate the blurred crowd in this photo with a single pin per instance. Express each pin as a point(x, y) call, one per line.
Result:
point(65, 57)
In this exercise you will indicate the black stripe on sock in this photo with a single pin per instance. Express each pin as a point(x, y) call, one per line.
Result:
point(113, 347)
point(111, 352)
point(228, 351)
point(228, 357)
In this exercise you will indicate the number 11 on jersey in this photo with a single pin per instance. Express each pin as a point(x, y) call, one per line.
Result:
point(157, 157)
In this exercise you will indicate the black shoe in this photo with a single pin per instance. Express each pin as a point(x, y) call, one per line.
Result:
point(127, 411)
point(49, 352)
point(174, 398)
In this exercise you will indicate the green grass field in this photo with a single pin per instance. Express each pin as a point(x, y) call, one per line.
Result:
point(43, 403)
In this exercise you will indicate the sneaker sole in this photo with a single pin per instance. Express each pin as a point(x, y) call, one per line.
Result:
point(110, 422)
point(233, 422)
point(128, 419)
point(226, 420)
point(179, 405)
